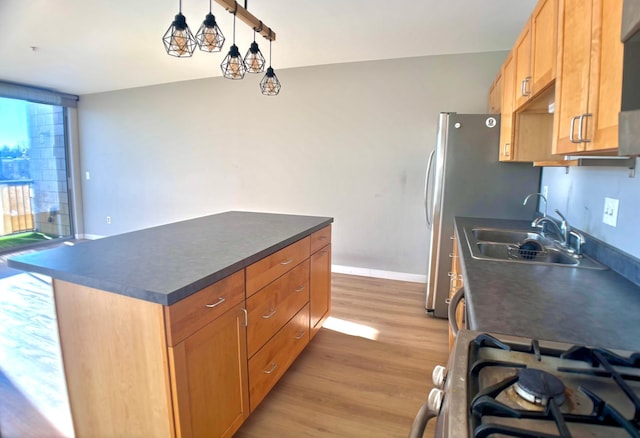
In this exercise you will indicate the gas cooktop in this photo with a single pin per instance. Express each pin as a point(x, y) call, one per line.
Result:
point(505, 386)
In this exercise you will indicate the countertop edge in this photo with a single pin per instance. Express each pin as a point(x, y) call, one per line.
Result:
point(176, 295)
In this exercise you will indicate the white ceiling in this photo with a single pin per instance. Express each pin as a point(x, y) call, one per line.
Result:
point(91, 46)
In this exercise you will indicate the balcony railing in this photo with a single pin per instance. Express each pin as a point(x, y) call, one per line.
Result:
point(15, 202)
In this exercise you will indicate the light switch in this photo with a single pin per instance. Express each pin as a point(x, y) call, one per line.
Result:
point(610, 216)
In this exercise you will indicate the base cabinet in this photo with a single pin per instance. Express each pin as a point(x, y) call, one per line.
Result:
point(209, 378)
point(196, 368)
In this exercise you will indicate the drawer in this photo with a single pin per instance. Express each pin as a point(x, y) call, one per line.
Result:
point(270, 363)
point(195, 311)
point(274, 305)
point(320, 238)
point(271, 267)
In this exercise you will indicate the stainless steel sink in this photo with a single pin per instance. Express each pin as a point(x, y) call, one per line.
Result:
point(523, 246)
point(504, 236)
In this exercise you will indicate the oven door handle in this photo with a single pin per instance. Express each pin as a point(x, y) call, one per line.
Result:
point(451, 312)
point(420, 422)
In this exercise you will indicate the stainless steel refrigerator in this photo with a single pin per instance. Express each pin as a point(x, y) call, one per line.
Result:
point(465, 178)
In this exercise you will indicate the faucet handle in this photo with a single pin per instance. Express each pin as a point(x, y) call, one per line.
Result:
point(564, 219)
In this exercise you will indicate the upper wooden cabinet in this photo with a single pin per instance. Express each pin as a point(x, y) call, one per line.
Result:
point(495, 95)
point(506, 118)
point(588, 89)
point(535, 52)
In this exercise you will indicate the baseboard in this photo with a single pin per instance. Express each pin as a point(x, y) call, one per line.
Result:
point(89, 236)
point(377, 273)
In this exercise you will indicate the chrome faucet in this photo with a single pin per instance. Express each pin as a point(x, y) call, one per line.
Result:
point(564, 231)
point(541, 196)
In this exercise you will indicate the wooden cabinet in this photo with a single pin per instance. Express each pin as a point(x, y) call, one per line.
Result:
point(320, 297)
point(535, 52)
point(522, 57)
point(268, 365)
point(588, 89)
point(507, 115)
point(274, 305)
point(197, 367)
point(455, 283)
point(209, 378)
point(495, 95)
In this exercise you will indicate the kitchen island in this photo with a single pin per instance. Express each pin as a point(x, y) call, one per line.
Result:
point(182, 329)
point(559, 303)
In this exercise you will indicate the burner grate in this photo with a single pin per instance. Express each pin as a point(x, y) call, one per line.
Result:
point(484, 402)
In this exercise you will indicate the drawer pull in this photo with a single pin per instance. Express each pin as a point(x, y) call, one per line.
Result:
point(300, 289)
point(286, 262)
point(270, 314)
point(323, 253)
point(301, 335)
point(272, 369)
point(216, 304)
point(323, 238)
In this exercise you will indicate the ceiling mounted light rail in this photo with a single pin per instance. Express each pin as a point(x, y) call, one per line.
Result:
point(180, 42)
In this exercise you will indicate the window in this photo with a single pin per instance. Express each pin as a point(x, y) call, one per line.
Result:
point(34, 193)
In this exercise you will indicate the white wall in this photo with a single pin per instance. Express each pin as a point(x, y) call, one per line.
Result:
point(349, 141)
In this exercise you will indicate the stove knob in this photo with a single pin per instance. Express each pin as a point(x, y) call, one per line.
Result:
point(435, 400)
point(438, 376)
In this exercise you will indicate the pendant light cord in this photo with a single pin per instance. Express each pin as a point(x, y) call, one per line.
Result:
point(180, 6)
point(209, 6)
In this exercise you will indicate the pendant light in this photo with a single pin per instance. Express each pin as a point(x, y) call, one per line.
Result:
point(253, 60)
point(209, 37)
point(233, 66)
point(178, 39)
point(270, 85)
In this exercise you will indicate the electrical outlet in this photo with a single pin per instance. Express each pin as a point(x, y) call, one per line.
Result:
point(610, 216)
point(545, 191)
point(108, 219)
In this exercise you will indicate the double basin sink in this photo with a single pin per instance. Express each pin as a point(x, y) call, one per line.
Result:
point(523, 246)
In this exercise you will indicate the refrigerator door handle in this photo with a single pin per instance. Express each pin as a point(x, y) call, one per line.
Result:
point(427, 192)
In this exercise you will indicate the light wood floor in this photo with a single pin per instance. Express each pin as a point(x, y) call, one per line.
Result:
point(349, 386)
point(342, 385)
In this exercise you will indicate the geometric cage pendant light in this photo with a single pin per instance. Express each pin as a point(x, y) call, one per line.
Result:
point(178, 39)
point(270, 85)
point(209, 37)
point(253, 60)
point(233, 65)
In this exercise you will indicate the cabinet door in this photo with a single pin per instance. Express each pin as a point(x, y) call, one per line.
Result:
point(522, 54)
point(544, 44)
point(605, 95)
point(209, 378)
point(320, 293)
point(506, 122)
point(495, 95)
point(574, 72)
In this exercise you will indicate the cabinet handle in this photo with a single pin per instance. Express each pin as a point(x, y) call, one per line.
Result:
point(246, 317)
point(323, 253)
point(580, 126)
point(270, 314)
point(505, 149)
point(323, 238)
point(523, 88)
point(572, 130)
point(452, 237)
point(216, 304)
point(300, 289)
point(286, 262)
point(301, 335)
point(452, 256)
point(272, 369)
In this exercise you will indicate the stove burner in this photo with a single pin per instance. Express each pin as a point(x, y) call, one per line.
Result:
point(537, 386)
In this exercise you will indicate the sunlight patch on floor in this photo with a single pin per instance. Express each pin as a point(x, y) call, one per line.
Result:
point(351, 328)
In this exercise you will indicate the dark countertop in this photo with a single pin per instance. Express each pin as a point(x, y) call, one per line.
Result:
point(167, 263)
point(583, 306)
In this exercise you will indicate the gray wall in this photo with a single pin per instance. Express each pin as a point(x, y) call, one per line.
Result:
point(580, 194)
point(349, 141)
